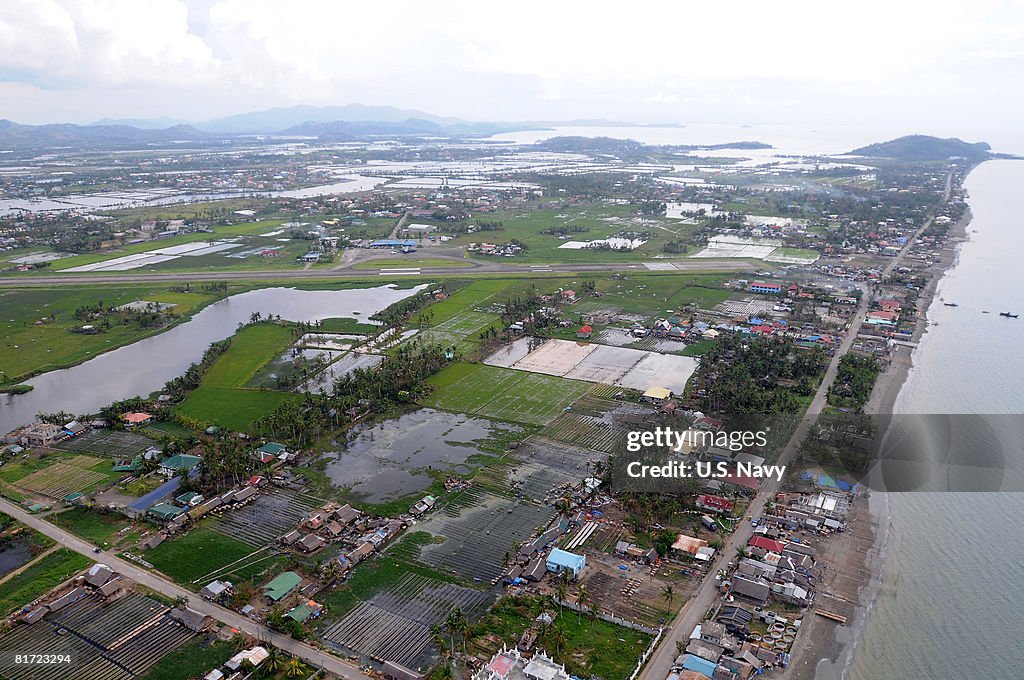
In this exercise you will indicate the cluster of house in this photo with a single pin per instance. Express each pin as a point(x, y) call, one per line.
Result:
point(537, 557)
point(509, 249)
point(717, 650)
point(286, 586)
point(332, 523)
point(42, 434)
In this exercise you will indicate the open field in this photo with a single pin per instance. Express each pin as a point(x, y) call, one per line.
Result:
point(394, 625)
point(599, 649)
point(91, 525)
point(50, 571)
point(411, 261)
point(58, 475)
point(195, 554)
point(221, 399)
point(503, 394)
point(111, 443)
point(460, 331)
point(620, 366)
point(595, 222)
point(193, 659)
point(273, 513)
point(36, 324)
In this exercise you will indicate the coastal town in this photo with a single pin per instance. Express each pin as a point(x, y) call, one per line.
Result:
point(390, 444)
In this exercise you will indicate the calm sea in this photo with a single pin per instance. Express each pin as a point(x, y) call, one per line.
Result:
point(950, 604)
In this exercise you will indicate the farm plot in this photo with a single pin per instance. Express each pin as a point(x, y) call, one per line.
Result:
point(115, 444)
point(590, 432)
point(107, 641)
point(620, 366)
point(546, 465)
point(460, 330)
point(501, 394)
point(478, 530)
point(349, 362)
point(274, 512)
point(64, 477)
point(395, 625)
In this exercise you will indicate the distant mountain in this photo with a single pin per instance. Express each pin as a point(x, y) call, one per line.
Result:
point(578, 144)
point(142, 123)
point(279, 119)
point(925, 148)
point(15, 135)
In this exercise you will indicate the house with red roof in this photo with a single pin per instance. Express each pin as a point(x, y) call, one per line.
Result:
point(766, 544)
point(714, 503)
point(585, 331)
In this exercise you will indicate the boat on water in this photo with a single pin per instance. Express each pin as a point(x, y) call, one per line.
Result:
point(1008, 315)
point(951, 304)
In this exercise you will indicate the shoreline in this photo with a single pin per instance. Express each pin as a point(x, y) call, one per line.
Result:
point(828, 650)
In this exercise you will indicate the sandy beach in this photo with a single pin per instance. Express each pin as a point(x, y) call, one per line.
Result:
point(853, 563)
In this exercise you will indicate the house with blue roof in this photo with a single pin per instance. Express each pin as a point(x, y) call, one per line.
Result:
point(699, 665)
point(563, 561)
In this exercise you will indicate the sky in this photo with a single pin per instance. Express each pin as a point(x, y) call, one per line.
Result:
point(938, 64)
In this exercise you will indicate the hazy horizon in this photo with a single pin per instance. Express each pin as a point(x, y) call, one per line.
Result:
point(940, 66)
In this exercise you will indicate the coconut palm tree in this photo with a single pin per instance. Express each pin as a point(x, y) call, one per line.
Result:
point(668, 594)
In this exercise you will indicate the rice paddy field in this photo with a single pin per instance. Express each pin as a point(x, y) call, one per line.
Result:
point(201, 551)
point(223, 398)
point(273, 513)
point(58, 475)
point(460, 331)
point(111, 443)
point(39, 578)
point(503, 394)
point(395, 624)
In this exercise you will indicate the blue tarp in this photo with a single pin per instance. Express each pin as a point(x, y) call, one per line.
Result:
point(154, 496)
point(703, 666)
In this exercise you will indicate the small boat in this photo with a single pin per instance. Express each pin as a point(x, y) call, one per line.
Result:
point(1008, 315)
point(951, 304)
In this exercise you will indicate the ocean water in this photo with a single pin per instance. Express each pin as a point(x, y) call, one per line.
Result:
point(952, 588)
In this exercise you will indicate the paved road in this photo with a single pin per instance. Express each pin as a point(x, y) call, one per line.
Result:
point(495, 268)
point(301, 650)
point(692, 612)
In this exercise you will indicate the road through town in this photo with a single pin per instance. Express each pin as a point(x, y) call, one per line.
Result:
point(159, 584)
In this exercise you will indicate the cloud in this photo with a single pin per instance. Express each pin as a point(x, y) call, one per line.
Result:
point(660, 60)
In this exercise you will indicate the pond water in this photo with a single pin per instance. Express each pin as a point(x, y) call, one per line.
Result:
point(13, 555)
point(144, 366)
point(395, 458)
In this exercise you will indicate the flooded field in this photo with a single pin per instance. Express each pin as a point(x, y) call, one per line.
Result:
point(13, 555)
point(620, 366)
point(397, 457)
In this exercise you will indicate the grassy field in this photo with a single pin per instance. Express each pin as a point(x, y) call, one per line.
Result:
point(504, 394)
point(192, 660)
point(36, 324)
point(195, 554)
point(588, 648)
point(91, 525)
point(50, 571)
point(597, 221)
point(399, 263)
point(222, 399)
point(461, 331)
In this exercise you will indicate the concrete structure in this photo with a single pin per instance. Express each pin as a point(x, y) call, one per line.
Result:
point(559, 561)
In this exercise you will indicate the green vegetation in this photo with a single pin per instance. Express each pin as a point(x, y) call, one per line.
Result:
point(191, 660)
point(412, 262)
point(221, 398)
point(37, 323)
point(346, 325)
point(369, 579)
point(39, 578)
point(91, 525)
point(503, 394)
point(854, 381)
point(196, 554)
point(589, 647)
